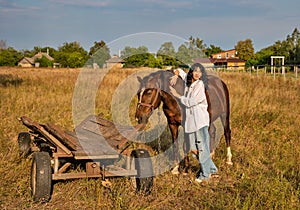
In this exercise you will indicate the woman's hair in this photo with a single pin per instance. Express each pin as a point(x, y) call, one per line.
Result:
point(203, 77)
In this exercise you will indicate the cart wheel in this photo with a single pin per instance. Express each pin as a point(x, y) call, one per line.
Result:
point(41, 176)
point(142, 163)
point(24, 143)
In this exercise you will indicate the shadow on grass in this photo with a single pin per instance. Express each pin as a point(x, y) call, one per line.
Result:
point(10, 80)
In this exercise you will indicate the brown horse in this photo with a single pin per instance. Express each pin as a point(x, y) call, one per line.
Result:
point(154, 89)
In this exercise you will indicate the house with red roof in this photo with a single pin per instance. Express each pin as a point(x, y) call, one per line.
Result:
point(226, 59)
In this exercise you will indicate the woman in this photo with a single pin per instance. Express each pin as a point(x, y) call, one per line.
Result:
point(196, 120)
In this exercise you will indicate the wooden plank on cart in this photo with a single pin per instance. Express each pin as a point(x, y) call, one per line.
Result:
point(38, 128)
point(117, 136)
point(113, 170)
point(66, 139)
point(93, 146)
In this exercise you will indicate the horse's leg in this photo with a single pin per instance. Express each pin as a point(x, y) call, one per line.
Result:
point(226, 124)
point(227, 133)
point(174, 132)
point(186, 165)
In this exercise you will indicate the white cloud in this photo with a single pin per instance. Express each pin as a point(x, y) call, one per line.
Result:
point(7, 6)
point(85, 3)
point(167, 4)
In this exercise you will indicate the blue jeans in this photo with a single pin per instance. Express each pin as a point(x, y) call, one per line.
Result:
point(200, 140)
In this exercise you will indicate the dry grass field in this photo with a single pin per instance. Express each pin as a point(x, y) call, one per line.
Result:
point(265, 122)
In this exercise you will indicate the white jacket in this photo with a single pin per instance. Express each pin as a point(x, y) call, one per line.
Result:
point(195, 102)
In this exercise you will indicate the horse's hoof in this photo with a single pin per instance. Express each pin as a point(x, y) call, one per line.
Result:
point(185, 173)
point(214, 176)
point(229, 163)
point(175, 170)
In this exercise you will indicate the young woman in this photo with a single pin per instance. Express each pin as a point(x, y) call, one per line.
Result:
point(196, 120)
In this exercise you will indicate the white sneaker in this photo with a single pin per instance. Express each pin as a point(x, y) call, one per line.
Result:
point(198, 180)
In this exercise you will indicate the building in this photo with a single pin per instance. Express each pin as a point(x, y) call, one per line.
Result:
point(31, 62)
point(225, 55)
point(229, 63)
point(229, 60)
point(26, 62)
point(206, 62)
point(114, 61)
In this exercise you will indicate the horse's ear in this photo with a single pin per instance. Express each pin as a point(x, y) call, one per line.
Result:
point(140, 79)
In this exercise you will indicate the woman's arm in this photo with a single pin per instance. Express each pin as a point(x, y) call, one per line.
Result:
point(177, 72)
point(181, 73)
point(198, 96)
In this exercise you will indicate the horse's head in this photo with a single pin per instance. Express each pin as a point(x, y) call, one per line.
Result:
point(149, 98)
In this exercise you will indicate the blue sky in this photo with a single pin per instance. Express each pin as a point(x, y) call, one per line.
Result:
point(28, 23)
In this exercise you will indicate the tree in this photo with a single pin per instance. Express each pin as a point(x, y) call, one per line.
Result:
point(212, 49)
point(50, 50)
point(190, 50)
point(153, 62)
point(9, 57)
point(71, 55)
point(167, 53)
point(167, 48)
point(131, 51)
point(99, 53)
point(290, 47)
point(262, 57)
point(245, 50)
point(183, 55)
point(44, 62)
point(97, 46)
point(196, 47)
point(136, 57)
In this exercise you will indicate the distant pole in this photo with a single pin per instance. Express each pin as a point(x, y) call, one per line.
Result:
point(283, 68)
point(272, 65)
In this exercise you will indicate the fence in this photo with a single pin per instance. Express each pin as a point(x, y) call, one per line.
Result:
point(285, 71)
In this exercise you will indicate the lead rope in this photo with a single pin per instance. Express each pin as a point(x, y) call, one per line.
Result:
point(158, 130)
point(160, 162)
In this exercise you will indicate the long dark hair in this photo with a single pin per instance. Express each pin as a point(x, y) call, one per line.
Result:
point(203, 77)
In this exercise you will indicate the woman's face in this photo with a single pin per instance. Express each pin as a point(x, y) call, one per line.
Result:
point(197, 74)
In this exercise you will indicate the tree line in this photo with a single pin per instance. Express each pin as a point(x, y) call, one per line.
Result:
point(73, 55)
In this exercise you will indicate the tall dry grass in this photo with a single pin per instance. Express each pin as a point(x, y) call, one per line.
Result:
point(265, 144)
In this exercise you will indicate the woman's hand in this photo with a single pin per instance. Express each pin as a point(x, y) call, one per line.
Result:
point(173, 80)
point(174, 92)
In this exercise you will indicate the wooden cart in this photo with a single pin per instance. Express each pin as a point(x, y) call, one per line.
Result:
point(96, 143)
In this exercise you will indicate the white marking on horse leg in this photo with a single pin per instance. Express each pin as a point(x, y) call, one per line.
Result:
point(229, 156)
point(175, 170)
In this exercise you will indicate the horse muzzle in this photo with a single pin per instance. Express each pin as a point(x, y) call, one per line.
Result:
point(142, 119)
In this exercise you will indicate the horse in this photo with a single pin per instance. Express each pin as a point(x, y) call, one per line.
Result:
point(154, 90)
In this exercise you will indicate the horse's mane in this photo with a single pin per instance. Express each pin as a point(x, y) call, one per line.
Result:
point(163, 79)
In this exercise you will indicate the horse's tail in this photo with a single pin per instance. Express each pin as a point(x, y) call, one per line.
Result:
point(227, 130)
